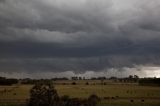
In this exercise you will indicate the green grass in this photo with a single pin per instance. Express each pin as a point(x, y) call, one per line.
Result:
point(125, 92)
point(108, 90)
point(128, 103)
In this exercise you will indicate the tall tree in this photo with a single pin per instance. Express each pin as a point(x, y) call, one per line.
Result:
point(44, 94)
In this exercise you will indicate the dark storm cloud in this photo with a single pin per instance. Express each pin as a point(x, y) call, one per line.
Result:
point(2, 0)
point(60, 35)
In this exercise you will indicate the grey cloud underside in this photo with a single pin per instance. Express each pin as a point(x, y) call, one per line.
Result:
point(52, 35)
point(52, 50)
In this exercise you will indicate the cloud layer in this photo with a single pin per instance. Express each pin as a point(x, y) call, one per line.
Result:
point(82, 35)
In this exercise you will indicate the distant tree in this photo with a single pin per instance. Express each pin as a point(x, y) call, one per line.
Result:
point(74, 78)
point(130, 76)
point(136, 76)
point(44, 94)
point(101, 78)
point(93, 78)
point(79, 78)
point(73, 83)
point(87, 83)
point(6, 81)
point(84, 78)
point(113, 78)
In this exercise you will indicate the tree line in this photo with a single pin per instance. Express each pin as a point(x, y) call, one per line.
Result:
point(6, 81)
point(130, 79)
point(150, 81)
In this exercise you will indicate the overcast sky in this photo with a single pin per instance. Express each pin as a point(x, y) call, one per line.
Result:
point(82, 37)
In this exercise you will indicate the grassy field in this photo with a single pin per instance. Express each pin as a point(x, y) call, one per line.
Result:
point(112, 94)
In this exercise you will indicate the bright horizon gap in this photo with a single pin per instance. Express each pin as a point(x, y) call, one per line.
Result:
point(142, 72)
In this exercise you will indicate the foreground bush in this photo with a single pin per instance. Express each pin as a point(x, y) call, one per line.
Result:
point(44, 94)
point(93, 100)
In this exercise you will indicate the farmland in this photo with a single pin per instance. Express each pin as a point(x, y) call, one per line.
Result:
point(111, 94)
